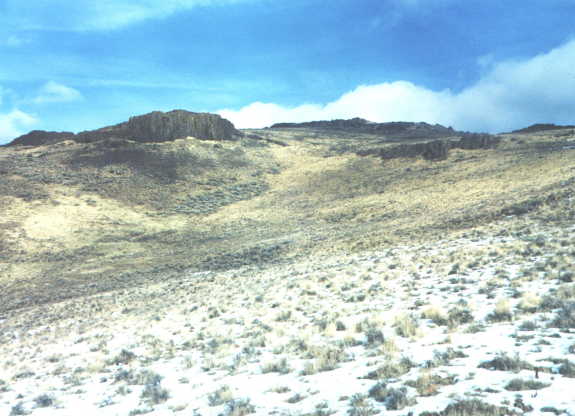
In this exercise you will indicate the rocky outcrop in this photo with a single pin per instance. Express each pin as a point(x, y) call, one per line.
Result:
point(435, 149)
point(396, 129)
point(152, 127)
point(158, 126)
point(41, 137)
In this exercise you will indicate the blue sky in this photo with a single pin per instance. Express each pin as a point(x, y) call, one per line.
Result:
point(479, 65)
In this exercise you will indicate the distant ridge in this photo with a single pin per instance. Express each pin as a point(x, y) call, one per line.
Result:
point(542, 127)
point(40, 138)
point(401, 129)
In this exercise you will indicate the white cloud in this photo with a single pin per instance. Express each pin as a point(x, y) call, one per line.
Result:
point(512, 94)
point(53, 92)
point(14, 124)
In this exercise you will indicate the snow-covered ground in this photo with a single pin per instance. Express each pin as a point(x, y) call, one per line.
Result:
point(465, 323)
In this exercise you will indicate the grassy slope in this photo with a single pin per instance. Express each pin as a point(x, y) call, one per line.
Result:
point(81, 219)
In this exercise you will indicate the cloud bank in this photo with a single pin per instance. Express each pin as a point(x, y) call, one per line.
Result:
point(510, 95)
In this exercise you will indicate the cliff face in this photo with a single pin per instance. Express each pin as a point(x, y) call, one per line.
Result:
point(161, 127)
point(156, 126)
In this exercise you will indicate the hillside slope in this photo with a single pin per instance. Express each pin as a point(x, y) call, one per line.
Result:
point(80, 218)
point(293, 271)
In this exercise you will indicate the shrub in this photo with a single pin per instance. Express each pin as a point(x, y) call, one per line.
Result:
point(374, 337)
point(528, 326)
point(428, 385)
point(327, 359)
point(280, 366)
point(155, 394)
point(239, 407)
point(18, 410)
point(141, 378)
point(295, 398)
point(518, 384)
point(436, 315)
point(124, 357)
point(444, 357)
point(457, 316)
point(565, 318)
point(391, 370)
point(472, 407)
point(220, 396)
point(394, 399)
point(567, 369)
point(44, 400)
point(360, 406)
point(283, 316)
point(506, 363)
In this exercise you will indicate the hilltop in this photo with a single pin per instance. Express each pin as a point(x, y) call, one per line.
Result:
point(304, 268)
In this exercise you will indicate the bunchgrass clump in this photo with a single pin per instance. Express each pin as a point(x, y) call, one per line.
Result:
point(502, 312)
point(406, 325)
point(435, 314)
point(326, 359)
point(529, 302)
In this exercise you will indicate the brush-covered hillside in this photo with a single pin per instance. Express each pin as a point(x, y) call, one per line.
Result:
point(175, 265)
